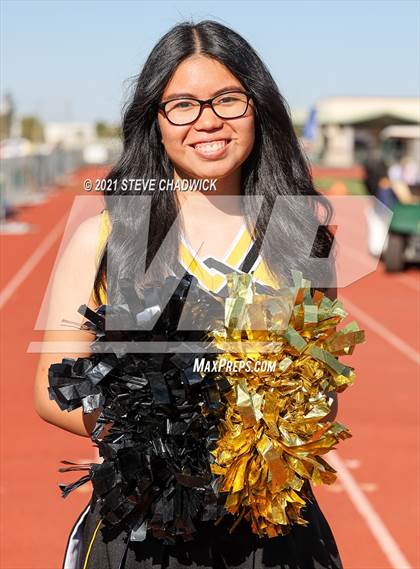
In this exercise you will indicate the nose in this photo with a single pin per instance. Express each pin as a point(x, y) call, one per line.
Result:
point(208, 119)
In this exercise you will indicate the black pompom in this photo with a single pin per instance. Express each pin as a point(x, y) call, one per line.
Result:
point(155, 473)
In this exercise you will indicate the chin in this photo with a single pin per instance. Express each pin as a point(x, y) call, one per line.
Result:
point(212, 170)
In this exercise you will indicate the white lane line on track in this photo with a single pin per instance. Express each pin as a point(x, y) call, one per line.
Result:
point(396, 342)
point(385, 540)
point(26, 269)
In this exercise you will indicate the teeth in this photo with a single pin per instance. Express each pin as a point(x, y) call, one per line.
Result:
point(211, 146)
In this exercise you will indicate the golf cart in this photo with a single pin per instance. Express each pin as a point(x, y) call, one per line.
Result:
point(403, 243)
point(403, 237)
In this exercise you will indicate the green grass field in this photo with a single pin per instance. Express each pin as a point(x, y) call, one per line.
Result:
point(354, 187)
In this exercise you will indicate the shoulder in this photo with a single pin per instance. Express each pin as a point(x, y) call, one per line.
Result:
point(88, 232)
point(91, 235)
point(89, 228)
point(83, 244)
point(74, 274)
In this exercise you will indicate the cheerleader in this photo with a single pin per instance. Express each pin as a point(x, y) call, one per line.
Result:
point(204, 107)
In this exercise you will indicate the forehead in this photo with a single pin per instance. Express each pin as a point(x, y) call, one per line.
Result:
point(200, 76)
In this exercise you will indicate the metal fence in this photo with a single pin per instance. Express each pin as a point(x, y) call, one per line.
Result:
point(24, 179)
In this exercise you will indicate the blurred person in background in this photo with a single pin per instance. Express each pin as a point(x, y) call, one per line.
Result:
point(376, 178)
point(378, 186)
point(404, 176)
point(390, 186)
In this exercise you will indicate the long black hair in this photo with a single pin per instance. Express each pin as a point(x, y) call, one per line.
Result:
point(276, 166)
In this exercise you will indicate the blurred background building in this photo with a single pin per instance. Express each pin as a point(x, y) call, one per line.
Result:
point(339, 131)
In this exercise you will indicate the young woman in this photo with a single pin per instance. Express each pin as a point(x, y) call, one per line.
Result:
point(204, 107)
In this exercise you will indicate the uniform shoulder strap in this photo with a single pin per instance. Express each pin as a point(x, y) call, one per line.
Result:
point(104, 231)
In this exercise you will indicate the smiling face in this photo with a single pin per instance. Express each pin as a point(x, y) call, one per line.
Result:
point(232, 139)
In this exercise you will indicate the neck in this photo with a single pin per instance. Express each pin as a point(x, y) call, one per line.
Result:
point(229, 186)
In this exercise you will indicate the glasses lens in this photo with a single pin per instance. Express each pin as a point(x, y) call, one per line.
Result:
point(182, 111)
point(230, 105)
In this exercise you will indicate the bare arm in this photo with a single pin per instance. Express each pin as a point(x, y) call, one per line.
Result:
point(403, 192)
point(72, 286)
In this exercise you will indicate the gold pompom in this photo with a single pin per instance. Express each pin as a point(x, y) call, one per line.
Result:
point(280, 356)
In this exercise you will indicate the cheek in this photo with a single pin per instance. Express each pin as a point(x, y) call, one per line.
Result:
point(248, 136)
point(172, 138)
point(251, 137)
point(165, 132)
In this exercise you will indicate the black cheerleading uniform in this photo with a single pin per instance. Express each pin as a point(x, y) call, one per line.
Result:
point(92, 545)
point(304, 547)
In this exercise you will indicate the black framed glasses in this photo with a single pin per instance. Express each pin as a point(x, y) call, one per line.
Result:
point(186, 110)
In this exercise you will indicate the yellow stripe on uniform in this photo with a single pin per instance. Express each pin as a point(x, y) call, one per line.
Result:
point(90, 545)
point(194, 265)
point(261, 274)
point(209, 279)
point(104, 231)
point(240, 249)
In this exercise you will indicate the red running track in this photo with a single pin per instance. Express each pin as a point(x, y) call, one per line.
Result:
point(373, 506)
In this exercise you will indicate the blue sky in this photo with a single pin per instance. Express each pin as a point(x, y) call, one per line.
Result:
point(71, 60)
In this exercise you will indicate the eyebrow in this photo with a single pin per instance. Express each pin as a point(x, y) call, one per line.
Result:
point(222, 90)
